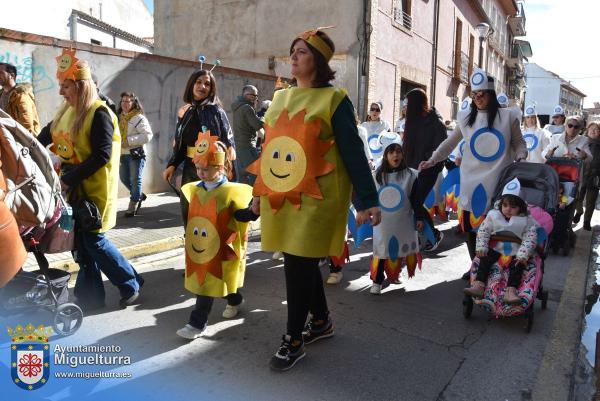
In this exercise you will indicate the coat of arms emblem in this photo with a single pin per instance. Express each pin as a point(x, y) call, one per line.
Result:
point(30, 356)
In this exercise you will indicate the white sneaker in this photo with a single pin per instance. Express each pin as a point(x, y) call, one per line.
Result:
point(190, 332)
point(277, 255)
point(334, 278)
point(232, 311)
point(376, 289)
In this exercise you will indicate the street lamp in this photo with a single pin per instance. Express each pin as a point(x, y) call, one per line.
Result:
point(483, 29)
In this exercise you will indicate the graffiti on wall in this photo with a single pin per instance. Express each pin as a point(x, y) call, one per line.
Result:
point(27, 71)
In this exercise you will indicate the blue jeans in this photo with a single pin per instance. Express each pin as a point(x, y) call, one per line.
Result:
point(246, 155)
point(130, 172)
point(95, 255)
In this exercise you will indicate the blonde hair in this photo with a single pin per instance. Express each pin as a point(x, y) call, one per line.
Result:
point(537, 121)
point(87, 94)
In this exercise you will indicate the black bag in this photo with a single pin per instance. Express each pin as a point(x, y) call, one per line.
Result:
point(137, 153)
point(86, 214)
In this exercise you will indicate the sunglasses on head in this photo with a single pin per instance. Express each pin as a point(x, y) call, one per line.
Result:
point(573, 126)
point(374, 109)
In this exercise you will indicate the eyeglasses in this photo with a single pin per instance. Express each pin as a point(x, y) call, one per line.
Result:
point(573, 126)
point(377, 110)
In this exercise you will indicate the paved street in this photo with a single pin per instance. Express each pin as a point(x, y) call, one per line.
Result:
point(410, 343)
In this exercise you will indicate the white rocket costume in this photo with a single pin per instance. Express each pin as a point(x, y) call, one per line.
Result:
point(536, 139)
point(486, 152)
point(556, 129)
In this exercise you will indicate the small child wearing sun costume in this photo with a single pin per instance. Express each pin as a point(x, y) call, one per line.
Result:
point(215, 235)
point(395, 240)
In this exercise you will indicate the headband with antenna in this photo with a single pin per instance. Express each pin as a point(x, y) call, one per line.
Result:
point(202, 60)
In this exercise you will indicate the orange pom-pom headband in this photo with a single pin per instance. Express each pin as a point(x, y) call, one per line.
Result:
point(66, 67)
point(315, 41)
point(209, 151)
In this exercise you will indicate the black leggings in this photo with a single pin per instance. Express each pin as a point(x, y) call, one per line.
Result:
point(486, 263)
point(199, 315)
point(305, 292)
point(471, 236)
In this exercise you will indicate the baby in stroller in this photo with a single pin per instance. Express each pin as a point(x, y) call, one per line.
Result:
point(510, 220)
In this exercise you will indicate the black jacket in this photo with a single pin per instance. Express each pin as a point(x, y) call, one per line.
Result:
point(426, 133)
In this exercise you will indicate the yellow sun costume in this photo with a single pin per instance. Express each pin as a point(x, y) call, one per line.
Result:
point(73, 148)
point(303, 184)
point(215, 242)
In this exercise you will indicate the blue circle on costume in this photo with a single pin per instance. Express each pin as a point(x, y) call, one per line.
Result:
point(477, 78)
point(461, 147)
point(374, 137)
point(534, 141)
point(502, 99)
point(391, 197)
point(511, 185)
point(501, 144)
point(530, 110)
point(465, 104)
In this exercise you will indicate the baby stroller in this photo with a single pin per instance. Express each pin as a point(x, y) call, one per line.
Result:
point(539, 188)
point(570, 175)
point(34, 198)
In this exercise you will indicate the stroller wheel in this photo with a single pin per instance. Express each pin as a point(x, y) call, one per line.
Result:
point(67, 319)
point(529, 321)
point(467, 306)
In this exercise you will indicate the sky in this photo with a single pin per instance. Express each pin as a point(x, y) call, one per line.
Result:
point(150, 5)
point(564, 39)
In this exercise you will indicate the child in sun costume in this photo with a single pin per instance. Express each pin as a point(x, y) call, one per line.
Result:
point(395, 240)
point(85, 136)
point(311, 157)
point(215, 235)
point(493, 140)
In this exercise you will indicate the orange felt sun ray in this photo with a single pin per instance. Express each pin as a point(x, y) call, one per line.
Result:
point(220, 221)
point(294, 131)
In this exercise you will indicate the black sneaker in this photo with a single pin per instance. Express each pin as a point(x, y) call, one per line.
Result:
point(429, 247)
point(576, 218)
point(125, 302)
point(287, 355)
point(313, 332)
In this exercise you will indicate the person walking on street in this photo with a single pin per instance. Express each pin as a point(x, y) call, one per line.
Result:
point(493, 140)
point(202, 112)
point(135, 133)
point(424, 132)
point(592, 175)
point(85, 136)
point(18, 99)
point(311, 160)
point(535, 137)
point(109, 102)
point(245, 124)
point(557, 124)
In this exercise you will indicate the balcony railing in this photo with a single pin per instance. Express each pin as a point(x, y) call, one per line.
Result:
point(460, 66)
point(402, 18)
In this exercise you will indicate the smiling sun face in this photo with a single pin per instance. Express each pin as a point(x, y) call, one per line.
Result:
point(63, 147)
point(284, 164)
point(207, 239)
point(204, 144)
point(66, 65)
point(292, 158)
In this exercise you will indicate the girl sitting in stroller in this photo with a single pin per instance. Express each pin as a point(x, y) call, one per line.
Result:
point(508, 218)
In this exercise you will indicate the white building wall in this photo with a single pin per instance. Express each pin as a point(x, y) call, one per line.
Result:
point(543, 88)
point(51, 18)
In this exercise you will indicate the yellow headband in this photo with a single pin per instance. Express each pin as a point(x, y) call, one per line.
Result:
point(315, 41)
point(67, 67)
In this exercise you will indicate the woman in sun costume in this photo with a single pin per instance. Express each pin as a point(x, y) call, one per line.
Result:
point(310, 160)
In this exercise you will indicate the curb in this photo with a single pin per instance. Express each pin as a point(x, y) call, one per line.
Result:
point(554, 378)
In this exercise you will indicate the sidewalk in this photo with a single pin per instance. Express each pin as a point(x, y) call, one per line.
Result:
point(157, 228)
